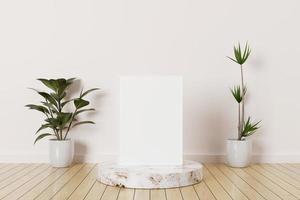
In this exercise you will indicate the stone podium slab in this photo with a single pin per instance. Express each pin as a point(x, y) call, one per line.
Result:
point(145, 177)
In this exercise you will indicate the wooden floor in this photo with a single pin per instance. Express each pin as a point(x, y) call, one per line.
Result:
point(40, 181)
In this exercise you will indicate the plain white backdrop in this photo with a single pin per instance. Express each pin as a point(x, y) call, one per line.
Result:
point(97, 41)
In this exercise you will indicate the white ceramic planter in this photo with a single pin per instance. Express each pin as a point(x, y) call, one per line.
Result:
point(239, 152)
point(61, 152)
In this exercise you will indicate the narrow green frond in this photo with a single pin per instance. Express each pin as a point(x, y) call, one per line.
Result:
point(44, 126)
point(246, 50)
point(42, 136)
point(88, 91)
point(83, 122)
point(250, 127)
point(237, 55)
point(84, 110)
point(232, 59)
point(38, 108)
point(236, 93)
point(241, 55)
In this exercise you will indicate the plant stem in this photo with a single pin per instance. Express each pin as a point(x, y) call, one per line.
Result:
point(239, 121)
point(51, 114)
point(54, 130)
point(243, 104)
point(70, 124)
point(59, 110)
point(59, 106)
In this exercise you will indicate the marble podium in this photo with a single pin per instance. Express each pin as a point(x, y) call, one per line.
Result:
point(151, 154)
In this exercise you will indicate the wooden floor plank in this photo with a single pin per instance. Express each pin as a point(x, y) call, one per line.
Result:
point(284, 185)
point(85, 186)
point(295, 165)
point(3, 165)
point(189, 193)
point(50, 191)
point(32, 182)
point(260, 188)
point(286, 171)
point(41, 181)
point(12, 171)
point(282, 175)
point(142, 194)
point(75, 181)
point(35, 191)
point(96, 191)
point(231, 189)
point(111, 193)
point(217, 190)
point(269, 184)
point(203, 191)
point(8, 167)
point(126, 194)
point(20, 173)
point(158, 194)
point(240, 183)
point(22, 180)
point(173, 194)
point(291, 168)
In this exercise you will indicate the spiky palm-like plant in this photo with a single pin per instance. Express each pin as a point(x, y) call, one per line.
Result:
point(245, 128)
point(53, 107)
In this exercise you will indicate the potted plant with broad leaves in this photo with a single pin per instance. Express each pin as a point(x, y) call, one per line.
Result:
point(239, 149)
point(58, 119)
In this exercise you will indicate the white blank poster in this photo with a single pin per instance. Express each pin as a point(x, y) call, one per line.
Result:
point(151, 120)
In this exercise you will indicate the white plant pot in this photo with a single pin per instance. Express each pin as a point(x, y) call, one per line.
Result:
point(61, 152)
point(239, 152)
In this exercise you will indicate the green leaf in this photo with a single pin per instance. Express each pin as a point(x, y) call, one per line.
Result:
point(63, 95)
point(88, 91)
point(84, 110)
point(42, 136)
point(64, 118)
point(236, 92)
point(83, 122)
point(38, 108)
point(247, 52)
point(44, 126)
point(237, 53)
point(232, 59)
point(50, 83)
point(55, 96)
point(57, 85)
point(48, 98)
point(62, 85)
point(60, 120)
point(240, 55)
point(51, 106)
point(58, 97)
point(66, 102)
point(70, 80)
point(53, 121)
point(46, 82)
point(250, 128)
point(79, 103)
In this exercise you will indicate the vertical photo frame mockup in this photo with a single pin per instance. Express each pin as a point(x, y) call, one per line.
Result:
point(151, 120)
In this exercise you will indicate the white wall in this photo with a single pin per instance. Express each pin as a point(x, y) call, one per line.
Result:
point(99, 40)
